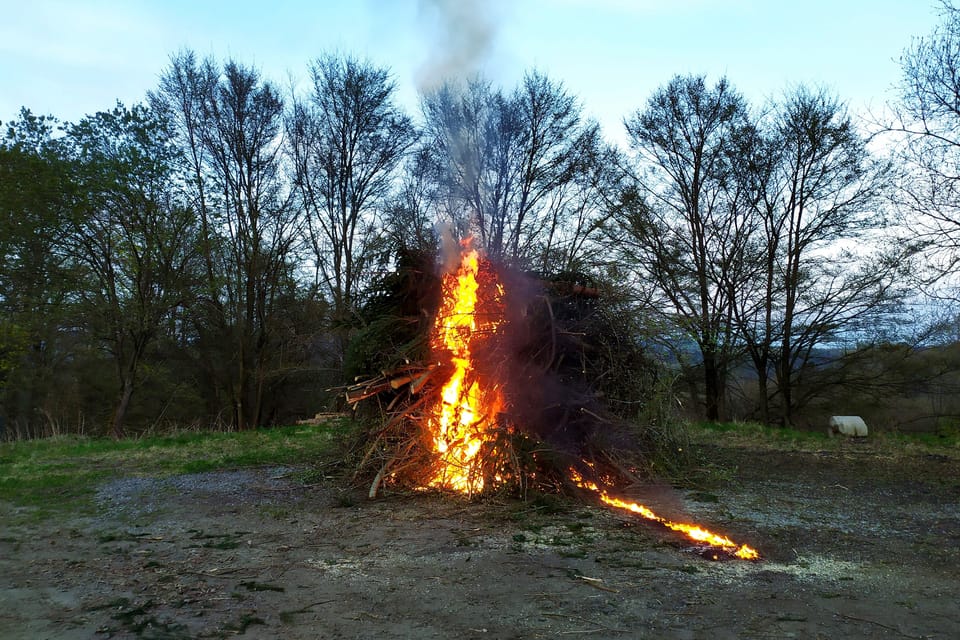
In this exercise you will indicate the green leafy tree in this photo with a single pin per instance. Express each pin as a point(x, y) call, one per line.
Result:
point(36, 195)
point(130, 235)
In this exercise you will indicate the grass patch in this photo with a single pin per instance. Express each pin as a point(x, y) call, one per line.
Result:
point(753, 434)
point(52, 474)
point(746, 431)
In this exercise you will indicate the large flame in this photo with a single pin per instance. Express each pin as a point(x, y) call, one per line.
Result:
point(466, 414)
point(463, 425)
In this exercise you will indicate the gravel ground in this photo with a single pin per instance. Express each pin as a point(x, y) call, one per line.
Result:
point(855, 545)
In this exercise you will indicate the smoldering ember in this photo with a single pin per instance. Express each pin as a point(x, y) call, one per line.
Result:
point(491, 410)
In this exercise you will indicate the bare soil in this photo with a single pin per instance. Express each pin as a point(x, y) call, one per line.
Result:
point(856, 544)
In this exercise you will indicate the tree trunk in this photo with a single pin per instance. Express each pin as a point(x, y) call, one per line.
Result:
point(784, 383)
point(713, 386)
point(126, 392)
point(762, 398)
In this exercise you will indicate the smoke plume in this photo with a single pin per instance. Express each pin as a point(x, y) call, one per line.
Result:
point(460, 34)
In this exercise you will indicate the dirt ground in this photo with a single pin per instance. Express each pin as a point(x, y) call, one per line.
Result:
point(856, 545)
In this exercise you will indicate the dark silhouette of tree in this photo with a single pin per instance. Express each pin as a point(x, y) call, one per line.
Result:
point(927, 122)
point(819, 188)
point(230, 133)
point(515, 169)
point(684, 220)
point(184, 88)
point(36, 278)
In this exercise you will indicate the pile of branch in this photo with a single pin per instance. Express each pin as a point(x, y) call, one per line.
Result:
point(396, 446)
point(400, 450)
point(556, 422)
point(413, 375)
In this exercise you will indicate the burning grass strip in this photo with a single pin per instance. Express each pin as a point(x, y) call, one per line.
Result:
point(715, 546)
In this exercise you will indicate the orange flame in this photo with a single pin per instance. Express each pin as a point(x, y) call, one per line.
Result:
point(692, 531)
point(466, 415)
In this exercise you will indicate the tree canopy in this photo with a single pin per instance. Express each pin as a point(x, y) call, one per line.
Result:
point(212, 254)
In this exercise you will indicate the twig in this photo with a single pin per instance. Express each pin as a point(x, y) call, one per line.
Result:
point(596, 583)
point(592, 414)
point(375, 486)
point(879, 624)
point(222, 574)
point(579, 619)
point(312, 604)
point(417, 384)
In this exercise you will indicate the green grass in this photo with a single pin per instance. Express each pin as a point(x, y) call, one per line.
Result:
point(755, 434)
point(757, 431)
point(49, 474)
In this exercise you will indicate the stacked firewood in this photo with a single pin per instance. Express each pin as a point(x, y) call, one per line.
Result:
point(395, 446)
point(413, 375)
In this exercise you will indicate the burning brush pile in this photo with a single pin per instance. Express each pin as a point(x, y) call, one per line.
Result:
point(491, 409)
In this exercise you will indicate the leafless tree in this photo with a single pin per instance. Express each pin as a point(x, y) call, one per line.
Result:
point(927, 122)
point(230, 124)
point(816, 279)
point(684, 222)
point(515, 168)
point(243, 139)
point(346, 139)
point(184, 88)
point(411, 215)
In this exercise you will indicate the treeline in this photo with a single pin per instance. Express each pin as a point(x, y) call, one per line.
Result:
point(205, 257)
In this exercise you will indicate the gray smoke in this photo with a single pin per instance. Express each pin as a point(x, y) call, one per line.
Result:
point(460, 34)
point(449, 247)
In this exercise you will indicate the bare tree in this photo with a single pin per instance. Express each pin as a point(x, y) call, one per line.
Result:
point(244, 117)
point(684, 222)
point(185, 87)
point(927, 120)
point(229, 123)
point(517, 168)
point(820, 191)
point(346, 140)
point(411, 212)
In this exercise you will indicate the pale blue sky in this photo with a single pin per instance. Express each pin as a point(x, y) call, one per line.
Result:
point(69, 58)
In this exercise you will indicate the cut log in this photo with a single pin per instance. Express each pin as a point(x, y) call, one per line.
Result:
point(357, 393)
point(418, 383)
point(396, 383)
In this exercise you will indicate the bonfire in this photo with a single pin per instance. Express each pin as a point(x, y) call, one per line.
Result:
point(456, 423)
